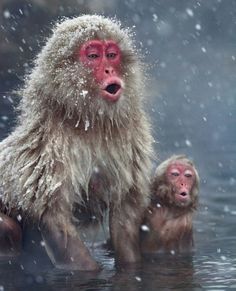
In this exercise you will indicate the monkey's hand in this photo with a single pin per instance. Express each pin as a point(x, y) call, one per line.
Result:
point(124, 231)
point(63, 244)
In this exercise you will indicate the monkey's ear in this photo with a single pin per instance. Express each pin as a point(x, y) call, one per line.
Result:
point(195, 200)
point(163, 191)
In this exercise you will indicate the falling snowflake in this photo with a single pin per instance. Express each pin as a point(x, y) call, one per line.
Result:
point(154, 17)
point(145, 227)
point(198, 26)
point(84, 93)
point(190, 12)
point(188, 143)
point(86, 125)
point(6, 14)
point(42, 243)
point(223, 258)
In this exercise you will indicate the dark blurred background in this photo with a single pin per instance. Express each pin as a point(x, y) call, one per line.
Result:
point(190, 49)
point(189, 46)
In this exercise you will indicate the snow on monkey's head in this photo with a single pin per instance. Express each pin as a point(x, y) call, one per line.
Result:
point(61, 80)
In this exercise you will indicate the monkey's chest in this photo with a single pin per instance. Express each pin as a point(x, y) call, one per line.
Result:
point(101, 172)
point(99, 182)
point(96, 200)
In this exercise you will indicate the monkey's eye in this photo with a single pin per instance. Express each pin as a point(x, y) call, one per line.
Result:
point(188, 174)
point(92, 56)
point(175, 173)
point(111, 55)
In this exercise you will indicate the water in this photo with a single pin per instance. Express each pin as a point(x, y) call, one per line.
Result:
point(212, 265)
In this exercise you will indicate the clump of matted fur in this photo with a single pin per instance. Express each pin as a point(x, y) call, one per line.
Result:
point(66, 132)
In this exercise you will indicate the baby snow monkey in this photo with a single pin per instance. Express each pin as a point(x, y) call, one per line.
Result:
point(167, 225)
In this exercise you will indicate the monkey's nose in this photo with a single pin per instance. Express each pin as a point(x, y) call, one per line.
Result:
point(109, 71)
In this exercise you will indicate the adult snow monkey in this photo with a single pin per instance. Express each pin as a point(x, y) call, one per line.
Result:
point(82, 143)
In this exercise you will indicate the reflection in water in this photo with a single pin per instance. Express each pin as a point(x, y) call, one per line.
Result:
point(164, 272)
point(208, 268)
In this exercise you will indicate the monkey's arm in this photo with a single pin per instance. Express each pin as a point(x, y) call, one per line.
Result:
point(165, 233)
point(124, 231)
point(10, 236)
point(126, 218)
point(63, 244)
point(187, 242)
point(150, 237)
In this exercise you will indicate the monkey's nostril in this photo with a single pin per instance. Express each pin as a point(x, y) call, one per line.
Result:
point(113, 88)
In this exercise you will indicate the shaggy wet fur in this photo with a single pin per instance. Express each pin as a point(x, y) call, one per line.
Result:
point(71, 149)
point(66, 131)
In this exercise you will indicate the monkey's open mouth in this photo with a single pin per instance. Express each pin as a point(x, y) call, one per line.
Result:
point(113, 88)
point(182, 197)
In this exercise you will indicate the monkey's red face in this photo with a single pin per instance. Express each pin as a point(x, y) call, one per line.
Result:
point(182, 178)
point(104, 59)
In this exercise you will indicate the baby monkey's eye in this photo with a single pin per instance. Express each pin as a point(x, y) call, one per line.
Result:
point(175, 173)
point(188, 174)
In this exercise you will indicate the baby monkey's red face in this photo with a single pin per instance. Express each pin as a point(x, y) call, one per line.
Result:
point(104, 59)
point(182, 178)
